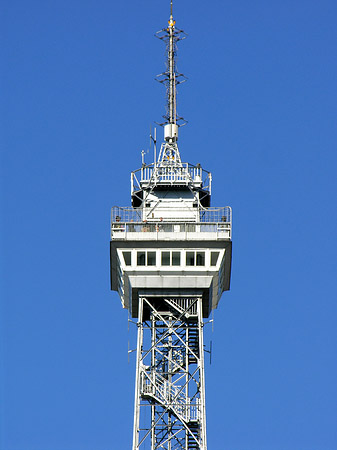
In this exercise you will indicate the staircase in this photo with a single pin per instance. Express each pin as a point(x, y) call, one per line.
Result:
point(169, 395)
point(193, 442)
point(193, 344)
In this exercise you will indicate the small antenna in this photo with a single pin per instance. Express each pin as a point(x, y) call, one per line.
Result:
point(130, 351)
point(154, 140)
point(210, 352)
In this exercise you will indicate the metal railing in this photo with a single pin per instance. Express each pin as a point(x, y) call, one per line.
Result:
point(168, 393)
point(176, 227)
point(182, 173)
point(137, 215)
point(128, 221)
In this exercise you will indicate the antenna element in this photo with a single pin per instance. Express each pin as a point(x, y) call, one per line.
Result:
point(171, 77)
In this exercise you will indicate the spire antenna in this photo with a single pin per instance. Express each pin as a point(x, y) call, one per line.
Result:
point(171, 77)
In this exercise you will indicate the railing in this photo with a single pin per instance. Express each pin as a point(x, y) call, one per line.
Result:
point(159, 173)
point(127, 223)
point(168, 393)
point(137, 215)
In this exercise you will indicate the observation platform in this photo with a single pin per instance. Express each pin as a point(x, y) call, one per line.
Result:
point(170, 252)
point(143, 224)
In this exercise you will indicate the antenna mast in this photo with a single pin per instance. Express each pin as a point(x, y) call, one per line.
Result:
point(172, 92)
point(171, 77)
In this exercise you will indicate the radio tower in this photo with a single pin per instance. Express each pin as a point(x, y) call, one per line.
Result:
point(170, 263)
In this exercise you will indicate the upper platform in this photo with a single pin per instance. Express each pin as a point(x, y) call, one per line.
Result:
point(170, 173)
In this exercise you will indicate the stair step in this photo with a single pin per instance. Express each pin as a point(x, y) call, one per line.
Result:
point(191, 443)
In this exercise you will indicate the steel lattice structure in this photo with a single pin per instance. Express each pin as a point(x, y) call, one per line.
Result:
point(170, 374)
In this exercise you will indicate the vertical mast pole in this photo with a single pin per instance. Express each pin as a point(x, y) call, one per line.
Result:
point(138, 377)
point(153, 372)
point(202, 377)
point(172, 79)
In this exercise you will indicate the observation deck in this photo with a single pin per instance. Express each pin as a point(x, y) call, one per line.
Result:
point(178, 224)
point(170, 251)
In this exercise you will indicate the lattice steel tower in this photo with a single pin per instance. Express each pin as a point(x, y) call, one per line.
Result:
point(170, 263)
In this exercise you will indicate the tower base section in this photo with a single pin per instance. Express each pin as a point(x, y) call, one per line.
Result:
point(170, 382)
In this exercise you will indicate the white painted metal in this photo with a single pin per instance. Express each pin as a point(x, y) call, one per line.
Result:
point(170, 375)
point(163, 173)
point(123, 218)
point(138, 375)
point(171, 219)
point(171, 131)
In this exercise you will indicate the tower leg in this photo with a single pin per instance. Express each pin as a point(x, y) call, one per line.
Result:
point(138, 375)
point(170, 378)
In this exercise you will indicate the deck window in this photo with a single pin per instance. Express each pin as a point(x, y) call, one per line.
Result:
point(190, 258)
point(214, 258)
point(175, 258)
point(170, 258)
point(140, 258)
point(195, 258)
point(146, 258)
point(200, 258)
point(151, 258)
point(127, 258)
point(165, 258)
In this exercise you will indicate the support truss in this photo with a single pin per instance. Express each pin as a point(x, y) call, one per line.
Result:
point(170, 386)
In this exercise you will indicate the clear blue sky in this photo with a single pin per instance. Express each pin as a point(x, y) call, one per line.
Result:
point(78, 98)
